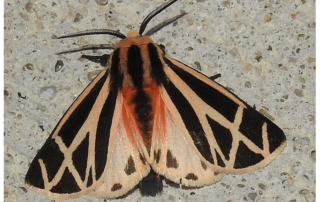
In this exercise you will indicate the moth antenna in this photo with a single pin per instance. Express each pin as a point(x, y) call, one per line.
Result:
point(154, 13)
point(94, 32)
point(163, 24)
point(87, 47)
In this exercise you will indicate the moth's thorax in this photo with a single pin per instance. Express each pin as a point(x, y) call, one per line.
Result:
point(134, 60)
point(134, 38)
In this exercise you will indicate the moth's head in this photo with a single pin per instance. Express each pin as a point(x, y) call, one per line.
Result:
point(133, 39)
point(133, 34)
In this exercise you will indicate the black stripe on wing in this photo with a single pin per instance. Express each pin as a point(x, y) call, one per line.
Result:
point(50, 153)
point(191, 120)
point(251, 124)
point(75, 121)
point(209, 95)
point(103, 133)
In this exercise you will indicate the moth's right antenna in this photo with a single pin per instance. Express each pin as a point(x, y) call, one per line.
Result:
point(154, 13)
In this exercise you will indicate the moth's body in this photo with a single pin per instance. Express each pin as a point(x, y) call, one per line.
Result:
point(139, 89)
point(147, 116)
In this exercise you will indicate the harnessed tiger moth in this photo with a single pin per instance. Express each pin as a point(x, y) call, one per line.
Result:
point(146, 117)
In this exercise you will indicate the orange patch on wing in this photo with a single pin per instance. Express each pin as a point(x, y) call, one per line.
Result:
point(159, 119)
point(130, 118)
point(130, 123)
point(152, 90)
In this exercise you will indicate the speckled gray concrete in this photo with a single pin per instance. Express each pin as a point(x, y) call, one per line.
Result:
point(264, 51)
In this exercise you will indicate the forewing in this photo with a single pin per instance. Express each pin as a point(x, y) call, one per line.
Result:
point(89, 151)
point(226, 134)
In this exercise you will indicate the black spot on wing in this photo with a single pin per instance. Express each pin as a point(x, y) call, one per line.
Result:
point(276, 136)
point(191, 121)
point(251, 126)
point(90, 180)
point(203, 165)
point(80, 157)
point(157, 155)
point(75, 121)
point(103, 133)
point(222, 135)
point(151, 185)
point(142, 158)
point(52, 158)
point(33, 176)
point(66, 185)
point(191, 176)
point(171, 160)
point(130, 167)
point(116, 77)
point(116, 187)
point(245, 157)
point(157, 72)
point(135, 66)
point(211, 96)
point(219, 160)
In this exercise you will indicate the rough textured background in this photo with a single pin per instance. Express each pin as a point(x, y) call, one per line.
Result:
point(265, 51)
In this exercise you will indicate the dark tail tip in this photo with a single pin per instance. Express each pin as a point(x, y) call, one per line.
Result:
point(151, 185)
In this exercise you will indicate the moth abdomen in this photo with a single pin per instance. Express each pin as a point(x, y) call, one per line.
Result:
point(141, 103)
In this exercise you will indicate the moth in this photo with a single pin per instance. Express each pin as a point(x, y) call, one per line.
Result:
point(146, 117)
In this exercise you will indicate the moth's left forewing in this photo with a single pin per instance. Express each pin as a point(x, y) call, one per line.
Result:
point(91, 151)
point(239, 138)
point(65, 165)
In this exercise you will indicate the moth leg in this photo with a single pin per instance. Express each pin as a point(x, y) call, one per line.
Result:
point(214, 77)
point(87, 47)
point(163, 48)
point(102, 60)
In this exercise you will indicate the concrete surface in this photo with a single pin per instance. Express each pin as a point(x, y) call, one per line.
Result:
point(264, 50)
